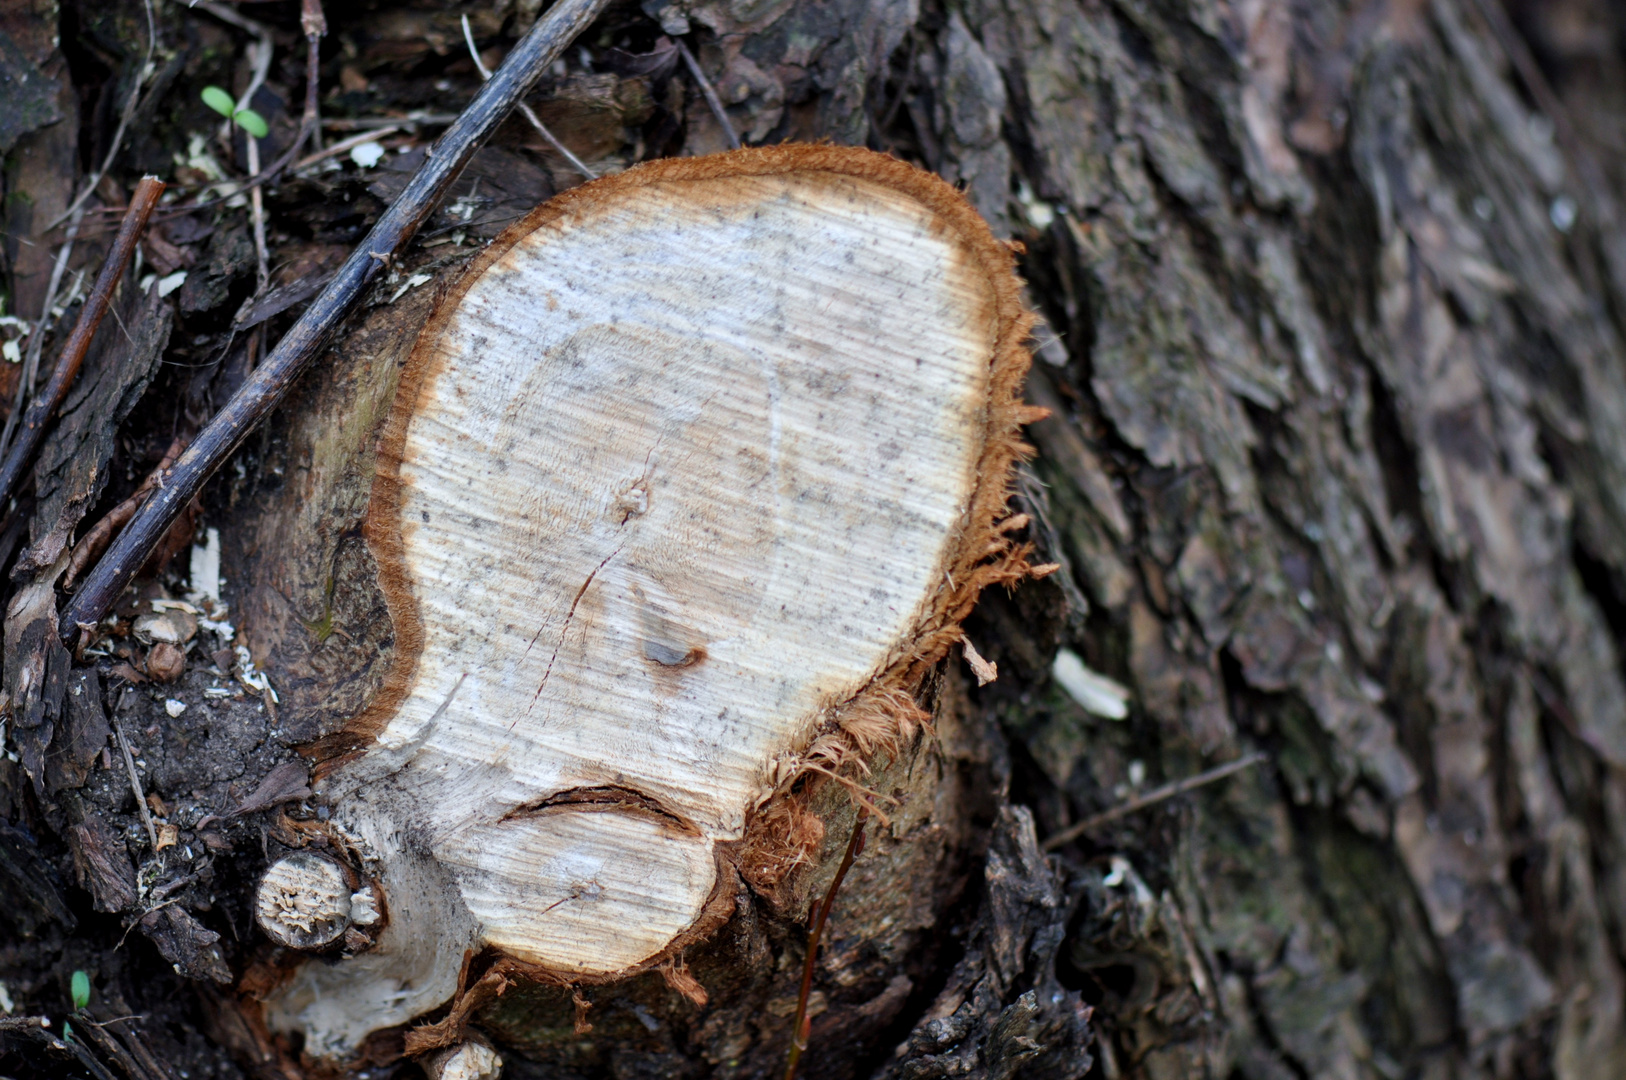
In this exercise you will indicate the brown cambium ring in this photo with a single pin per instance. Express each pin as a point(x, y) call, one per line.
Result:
point(689, 481)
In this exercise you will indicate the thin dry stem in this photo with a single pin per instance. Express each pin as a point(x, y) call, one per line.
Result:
point(710, 95)
point(802, 1026)
point(1151, 798)
point(313, 21)
point(530, 115)
point(260, 52)
point(125, 117)
point(135, 781)
point(36, 339)
point(343, 145)
point(256, 203)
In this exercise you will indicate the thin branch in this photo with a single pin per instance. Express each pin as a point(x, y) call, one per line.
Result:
point(712, 99)
point(341, 146)
point(821, 914)
point(226, 15)
point(256, 214)
point(48, 400)
point(124, 123)
point(541, 129)
point(270, 382)
point(260, 59)
point(36, 341)
point(135, 781)
point(410, 120)
point(313, 22)
point(1151, 798)
point(260, 53)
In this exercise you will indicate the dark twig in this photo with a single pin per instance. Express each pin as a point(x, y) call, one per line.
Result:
point(821, 914)
point(711, 97)
point(1151, 798)
point(47, 401)
point(270, 382)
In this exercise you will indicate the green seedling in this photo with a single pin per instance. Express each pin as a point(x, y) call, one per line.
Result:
point(247, 119)
point(79, 991)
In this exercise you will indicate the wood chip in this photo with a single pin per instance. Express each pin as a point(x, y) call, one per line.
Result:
point(287, 782)
point(985, 671)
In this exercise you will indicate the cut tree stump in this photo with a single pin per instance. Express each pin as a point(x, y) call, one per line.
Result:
point(689, 480)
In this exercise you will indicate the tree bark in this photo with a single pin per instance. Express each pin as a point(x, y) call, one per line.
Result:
point(1335, 471)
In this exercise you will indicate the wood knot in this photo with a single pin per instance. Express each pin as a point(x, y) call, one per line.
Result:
point(304, 901)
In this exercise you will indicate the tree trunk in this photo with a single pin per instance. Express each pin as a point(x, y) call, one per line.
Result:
point(1335, 473)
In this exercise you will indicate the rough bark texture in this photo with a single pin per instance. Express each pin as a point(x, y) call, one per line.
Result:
point(1336, 470)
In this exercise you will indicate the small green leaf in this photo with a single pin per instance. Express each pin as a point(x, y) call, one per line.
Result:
point(67, 1031)
point(252, 122)
point(218, 100)
point(81, 989)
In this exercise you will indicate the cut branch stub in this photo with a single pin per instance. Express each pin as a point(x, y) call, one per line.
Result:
point(303, 901)
point(690, 465)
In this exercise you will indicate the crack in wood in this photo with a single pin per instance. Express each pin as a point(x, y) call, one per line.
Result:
point(565, 629)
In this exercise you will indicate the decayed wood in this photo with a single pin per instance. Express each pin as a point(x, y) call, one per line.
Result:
point(689, 481)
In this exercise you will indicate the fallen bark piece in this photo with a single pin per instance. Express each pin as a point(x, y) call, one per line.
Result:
point(689, 480)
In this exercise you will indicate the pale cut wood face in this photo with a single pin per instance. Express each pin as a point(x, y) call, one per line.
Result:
point(685, 471)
